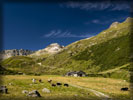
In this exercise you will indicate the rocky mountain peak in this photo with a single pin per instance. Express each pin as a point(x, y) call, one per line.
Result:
point(114, 24)
point(50, 49)
point(54, 47)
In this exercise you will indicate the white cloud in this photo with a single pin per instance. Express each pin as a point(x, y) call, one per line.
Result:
point(61, 34)
point(97, 5)
point(53, 33)
point(98, 21)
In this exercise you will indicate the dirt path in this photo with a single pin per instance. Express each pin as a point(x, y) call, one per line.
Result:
point(97, 93)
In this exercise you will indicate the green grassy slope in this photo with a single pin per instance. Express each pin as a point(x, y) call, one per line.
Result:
point(22, 64)
point(108, 50)
point(95, 59)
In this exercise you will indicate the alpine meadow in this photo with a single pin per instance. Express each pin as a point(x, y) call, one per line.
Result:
point(96, 67)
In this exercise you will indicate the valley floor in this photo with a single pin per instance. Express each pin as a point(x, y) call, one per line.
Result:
point(80, 88)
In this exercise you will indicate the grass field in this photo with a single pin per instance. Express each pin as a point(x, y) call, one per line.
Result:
point(107, 86)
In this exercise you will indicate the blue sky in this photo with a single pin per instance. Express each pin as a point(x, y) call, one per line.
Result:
point(33, 26)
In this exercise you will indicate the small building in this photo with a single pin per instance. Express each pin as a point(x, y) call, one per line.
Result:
point(81, 73)
point(20, 73)
point(76, 74)
point(70, 73)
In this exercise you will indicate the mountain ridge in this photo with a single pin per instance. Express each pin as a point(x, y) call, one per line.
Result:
point(14, 52)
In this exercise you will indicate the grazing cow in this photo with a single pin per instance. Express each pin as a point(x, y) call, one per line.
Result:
point(66, 85)
point(33, 80)
point(58, 84)
point(49, 81)
point(124, 89)
point(53, 85)
point(40, 80)
point(3, 89)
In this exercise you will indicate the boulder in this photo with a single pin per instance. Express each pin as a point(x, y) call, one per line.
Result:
point(46, 90)
point(24, 91)
point(10, 84)
point(34, 93)
point(75, 95)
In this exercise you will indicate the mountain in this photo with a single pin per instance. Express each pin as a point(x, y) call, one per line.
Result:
point(27, 61)
point(49, 50)
point(14, 52)
point(106, 53)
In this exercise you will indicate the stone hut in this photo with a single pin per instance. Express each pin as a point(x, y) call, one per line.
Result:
point(76, 74)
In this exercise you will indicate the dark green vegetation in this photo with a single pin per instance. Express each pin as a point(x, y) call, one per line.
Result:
point(106, 54)
point(18, 64)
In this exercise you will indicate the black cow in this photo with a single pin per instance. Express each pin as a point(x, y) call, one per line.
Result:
point(53, 85)
point(40, 80)
point(124, 89)
point(49, 81)
point(66, 85)
point(58, 84)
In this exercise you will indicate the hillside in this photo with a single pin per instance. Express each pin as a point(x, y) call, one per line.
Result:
point(98, 54)
point(107, 50)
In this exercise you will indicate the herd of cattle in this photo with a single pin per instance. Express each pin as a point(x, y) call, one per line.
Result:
point(52, 84)
point(35, 93)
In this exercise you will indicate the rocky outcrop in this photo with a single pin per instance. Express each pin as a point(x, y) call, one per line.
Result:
point(51, 49)
point(34, 93)
point(46, 90)
point(14, 52)
point(114, 24)
point(129, 20)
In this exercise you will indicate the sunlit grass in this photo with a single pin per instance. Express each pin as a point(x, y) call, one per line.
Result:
point(108, 86)
point(20, 83)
